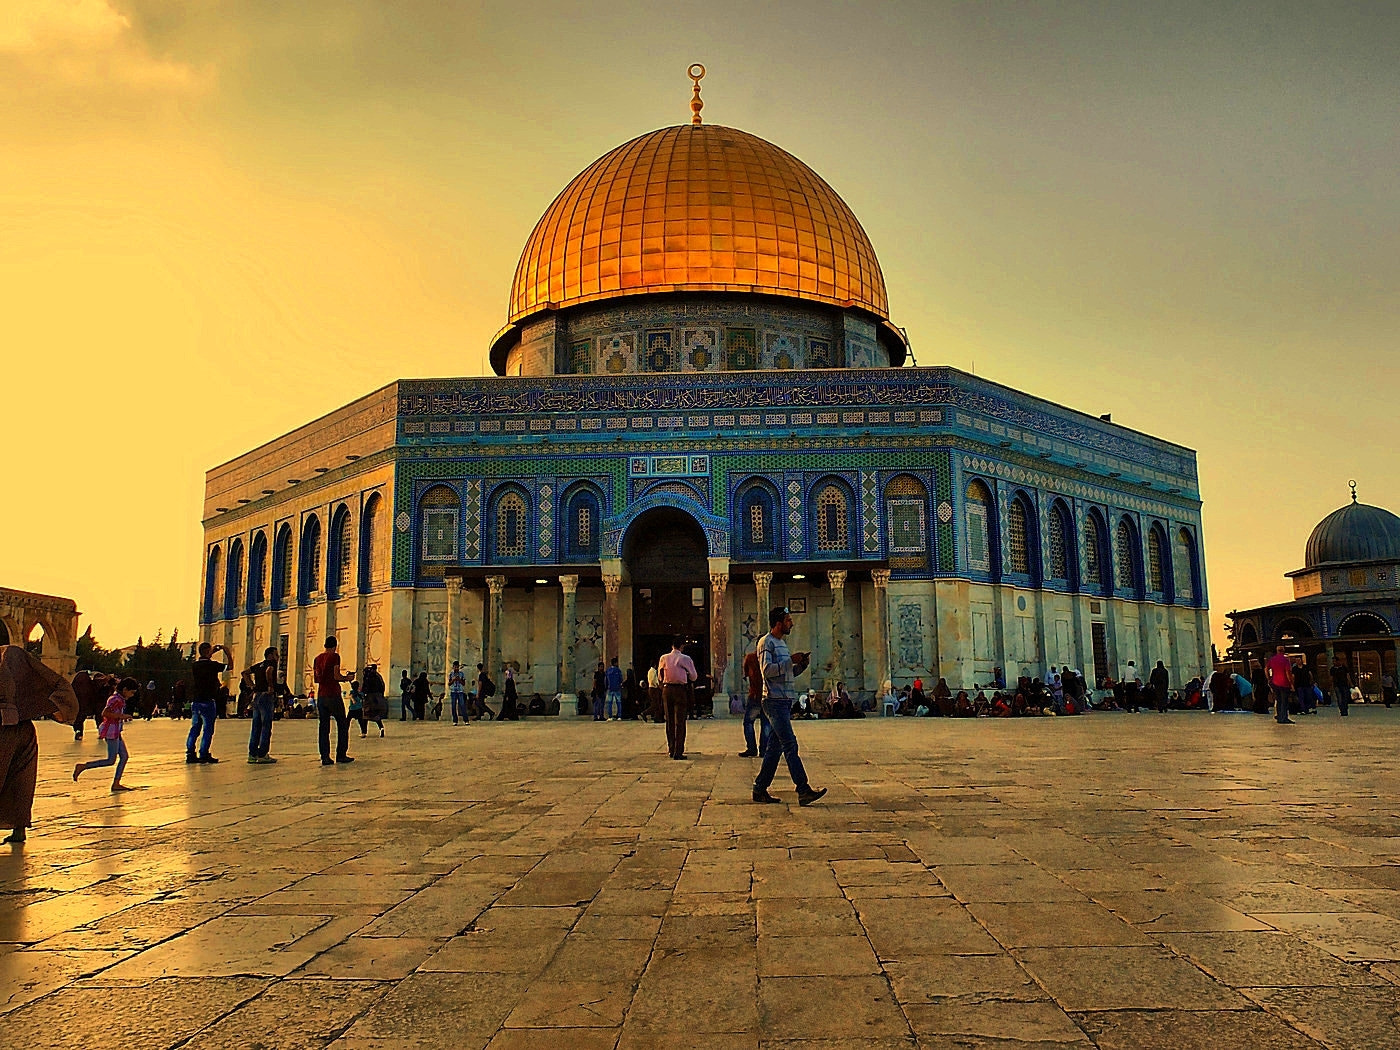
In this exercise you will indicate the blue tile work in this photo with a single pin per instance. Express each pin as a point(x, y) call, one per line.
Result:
point(707, 432)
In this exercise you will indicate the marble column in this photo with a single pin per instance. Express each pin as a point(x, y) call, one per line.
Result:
point(719, 632)
point(451, 643)
point(497, 584)
point(568, 641)
point(612, 583)
point(762, 581)
point(837, 579)
point(881, 579)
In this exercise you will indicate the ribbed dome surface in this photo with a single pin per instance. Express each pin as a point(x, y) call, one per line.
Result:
point(697, 207)
point(1357, 532)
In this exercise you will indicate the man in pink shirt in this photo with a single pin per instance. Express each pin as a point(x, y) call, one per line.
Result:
point(1279, 668)
point(677, 686)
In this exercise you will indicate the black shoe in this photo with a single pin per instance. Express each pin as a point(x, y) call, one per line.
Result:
point(1285, 721)
point(327, 762)
point(208, 760)
point(748, 754)
point(806, 798)
point(681, 758)
point(191, 758)
point(344, 759)
point(764, 797)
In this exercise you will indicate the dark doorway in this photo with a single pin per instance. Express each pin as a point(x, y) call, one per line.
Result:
point(668, 563)
point(1099, 636)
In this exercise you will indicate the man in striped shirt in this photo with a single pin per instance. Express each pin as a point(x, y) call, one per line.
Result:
point(779, 667)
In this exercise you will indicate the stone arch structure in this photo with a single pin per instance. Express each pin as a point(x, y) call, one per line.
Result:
point(22, 611)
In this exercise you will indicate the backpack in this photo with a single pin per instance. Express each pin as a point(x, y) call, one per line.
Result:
point(488, 687)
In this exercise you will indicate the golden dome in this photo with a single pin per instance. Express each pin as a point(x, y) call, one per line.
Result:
point(697, 207)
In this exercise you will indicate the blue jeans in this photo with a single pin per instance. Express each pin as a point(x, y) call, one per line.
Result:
point(201, 718)
point(1343, 698)
point(116, 753)
point(614, 705)
point(459, 703)
point(753, 712)
point(778, 714)
point(1306, 700)
point(1282, 695)
point(260, 738)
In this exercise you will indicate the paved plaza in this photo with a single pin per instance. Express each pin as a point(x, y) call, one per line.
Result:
point(1119, 881)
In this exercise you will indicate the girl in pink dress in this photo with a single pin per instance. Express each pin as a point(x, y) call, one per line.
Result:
point(113, 716)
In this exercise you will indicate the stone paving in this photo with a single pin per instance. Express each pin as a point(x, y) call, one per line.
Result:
point(1128, 881)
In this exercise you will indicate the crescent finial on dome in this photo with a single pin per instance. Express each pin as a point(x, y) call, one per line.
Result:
point(695, 104)
point(1353, 490)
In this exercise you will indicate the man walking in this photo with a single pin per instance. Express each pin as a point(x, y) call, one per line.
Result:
point(778, 667)
point(405, 696)
point(678, 677)
point(1132, 687)
point(1279, 668)
point(1160, 681)
point(457, 689)
point(263, 678)
point(613, 712)
point(206, 675)
point(1341, 685)
point(1303, 687)
point(330, 704)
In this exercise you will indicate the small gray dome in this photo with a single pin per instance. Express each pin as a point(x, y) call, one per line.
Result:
point(1357, 532)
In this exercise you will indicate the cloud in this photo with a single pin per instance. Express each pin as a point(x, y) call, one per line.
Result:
point(79, 44)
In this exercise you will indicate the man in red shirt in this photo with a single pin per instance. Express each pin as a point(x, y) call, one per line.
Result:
point(1279, 668)
point(326, 671)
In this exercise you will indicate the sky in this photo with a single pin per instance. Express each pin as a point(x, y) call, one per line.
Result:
point(222, 219)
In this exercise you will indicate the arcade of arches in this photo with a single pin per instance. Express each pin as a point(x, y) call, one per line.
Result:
point(45, 623)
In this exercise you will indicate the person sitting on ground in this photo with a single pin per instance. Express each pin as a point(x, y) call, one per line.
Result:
point(962, 706)
point(1000, 708)
point(903, 704)
point(941, 693)
point(537, 705)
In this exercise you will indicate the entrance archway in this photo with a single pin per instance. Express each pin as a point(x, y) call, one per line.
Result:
point(666, 556)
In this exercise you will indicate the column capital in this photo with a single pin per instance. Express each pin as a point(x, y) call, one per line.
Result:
point(612, 583)
point(496, 583)
point(837, 578)
point(763, 579)
point(569, 583)
point(880, 577)
point(452, 583)
point(719, 581)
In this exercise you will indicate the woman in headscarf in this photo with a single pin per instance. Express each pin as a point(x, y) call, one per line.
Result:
point(28, 690)
point(421, 695)
point(943, 699)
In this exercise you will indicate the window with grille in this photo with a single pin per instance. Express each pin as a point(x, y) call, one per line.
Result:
point(371, 543)
point(235, 579)
point(439, 524)
point(1123, 558)
point(755, 519)
point(1059, 553)
point(979, 531)
point(344, 567)
point(510, 526)
point(832, 532)
point(583, 530)
point(1155, 581)
point(1016, 531)
point(282, 566)
point(1093, 571)
point(582, 518)
point(311, 557)
point(213, 586)
point(758, 535)
point(1184, 566)
point(257, 571)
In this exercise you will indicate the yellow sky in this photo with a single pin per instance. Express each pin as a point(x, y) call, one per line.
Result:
point(219, 220)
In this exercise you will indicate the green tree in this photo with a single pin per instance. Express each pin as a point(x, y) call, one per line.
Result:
point(92, 657)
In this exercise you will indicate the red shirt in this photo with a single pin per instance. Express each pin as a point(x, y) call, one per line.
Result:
point(1280, 669)
point(326, 671)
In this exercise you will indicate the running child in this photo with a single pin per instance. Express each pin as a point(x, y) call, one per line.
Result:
point(113, 716)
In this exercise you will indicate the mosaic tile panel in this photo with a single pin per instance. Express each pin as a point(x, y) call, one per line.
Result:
point(780, 351)
point(699, 349)
point(472, 550)
point(581, 356)
point(740, 349)
point(794, 517)
point(870, 511)
point(546, 522)
point(819, 353)
point(909, 638)
point(660, 356)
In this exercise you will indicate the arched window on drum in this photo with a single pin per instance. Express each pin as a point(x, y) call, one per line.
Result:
point(1022, 533)
point(257, 572)
point(906, 522)
point(341, 572)
point(282, 568)
point(1127, 558)
point(983, 541)
point(1158, 561)
point(1098, 567)
point(373, 546)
